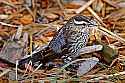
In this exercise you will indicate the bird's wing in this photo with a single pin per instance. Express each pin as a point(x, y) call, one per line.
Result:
point(58, 41)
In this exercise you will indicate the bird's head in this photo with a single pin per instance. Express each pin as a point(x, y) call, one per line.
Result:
point(81, 22)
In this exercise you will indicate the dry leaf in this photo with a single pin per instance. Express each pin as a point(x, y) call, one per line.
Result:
point(26, 19)
point(87, 66)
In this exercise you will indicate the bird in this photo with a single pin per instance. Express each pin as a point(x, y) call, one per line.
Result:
point(67, 42)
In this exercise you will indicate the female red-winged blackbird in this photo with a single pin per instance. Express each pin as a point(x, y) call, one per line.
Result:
point(67, 42)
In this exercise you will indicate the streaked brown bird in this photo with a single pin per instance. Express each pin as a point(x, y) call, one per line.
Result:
point(67, 42)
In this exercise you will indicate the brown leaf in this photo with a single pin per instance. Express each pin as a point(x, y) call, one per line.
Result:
point(26, 19)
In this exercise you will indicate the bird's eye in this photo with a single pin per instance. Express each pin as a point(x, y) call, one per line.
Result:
point(92, 23)
point(91, 18)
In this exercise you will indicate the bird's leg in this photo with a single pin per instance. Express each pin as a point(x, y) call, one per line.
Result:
point(72, 67)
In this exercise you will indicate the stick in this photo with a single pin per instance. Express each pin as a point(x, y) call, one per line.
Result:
point(90, 49)
point(84, 6)
point(109, 33)
point(5, 72)
point(96, 16)
point(111, 3)
point(16, 70)
point(5, 24)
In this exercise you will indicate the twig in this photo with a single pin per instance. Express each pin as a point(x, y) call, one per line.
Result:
point(19, 32)
point(90, 49)
point(19, 70)
point(16, 69)
point(30, 11)
point(5, 24)
point(84, 6)
point(109, 33)
point(111, 3)
point(113, 62)
point(61, 6)
point(96, 16)
point(35, 70)
point(5, 72)
point(27, 67)
point(33, 3)
point(9, 3)
point(31, 43)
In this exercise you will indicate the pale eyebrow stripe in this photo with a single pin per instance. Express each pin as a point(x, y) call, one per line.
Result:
point(79, 22)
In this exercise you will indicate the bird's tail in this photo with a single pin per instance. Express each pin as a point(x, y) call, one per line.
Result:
point(42, 56)
point(34, 58)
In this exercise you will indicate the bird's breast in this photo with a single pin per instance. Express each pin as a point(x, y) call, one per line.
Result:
point(76, 41)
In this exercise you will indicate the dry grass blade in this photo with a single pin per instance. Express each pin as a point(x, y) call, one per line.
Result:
point(60, 4)
point(16, 69)
point(31, 43)
point(111, 3)
point(96, 16)
point(19, 32)
point(90, 49)
point(84, 6)
point(35, 70)
point(30, 63)
point(5, 72)
point(5, 24)
point(111, 34)
point(8, 3)
point(30, 11)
